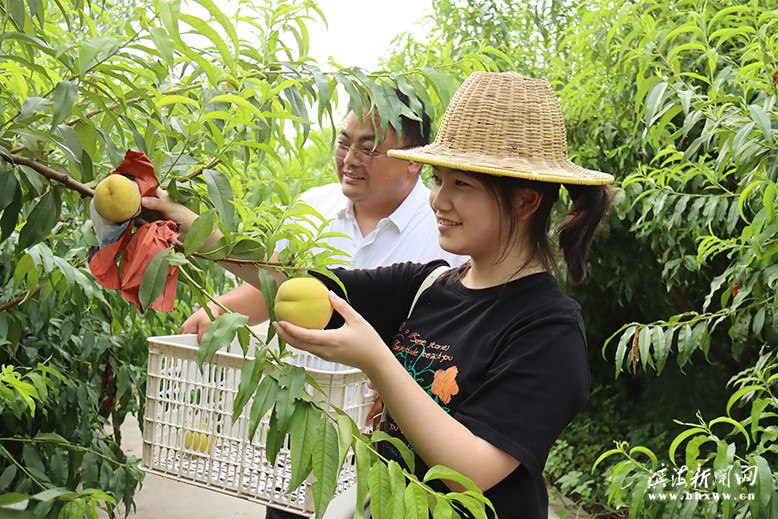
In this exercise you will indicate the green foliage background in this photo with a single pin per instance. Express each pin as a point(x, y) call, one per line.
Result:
point(678, 100)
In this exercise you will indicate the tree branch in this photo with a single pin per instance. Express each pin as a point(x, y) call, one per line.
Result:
point(112, 108)
point(213, 164)
point(19, 300)
point(62, 178)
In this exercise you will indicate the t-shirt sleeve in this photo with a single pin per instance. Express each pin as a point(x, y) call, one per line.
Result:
point(539, 380)
point(382, 295)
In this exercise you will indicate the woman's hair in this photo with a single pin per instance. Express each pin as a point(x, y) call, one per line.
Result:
point(590, 206)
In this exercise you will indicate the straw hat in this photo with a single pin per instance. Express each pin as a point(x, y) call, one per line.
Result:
point(508, 125)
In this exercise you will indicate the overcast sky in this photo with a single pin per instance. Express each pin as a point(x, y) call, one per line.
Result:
point(360, 30)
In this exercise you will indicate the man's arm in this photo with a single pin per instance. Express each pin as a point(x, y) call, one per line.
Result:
point(243, 299)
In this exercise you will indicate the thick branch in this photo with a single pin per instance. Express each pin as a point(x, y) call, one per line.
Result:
point(62, 178)
point(19, 300)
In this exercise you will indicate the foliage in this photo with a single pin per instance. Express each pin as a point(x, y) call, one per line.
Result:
point(681, 98)
point(729, 472)
point(228, 111)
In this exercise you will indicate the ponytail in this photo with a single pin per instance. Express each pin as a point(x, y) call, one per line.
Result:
point(590, 207)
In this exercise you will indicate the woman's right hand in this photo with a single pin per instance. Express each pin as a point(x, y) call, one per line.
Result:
point(170, 210)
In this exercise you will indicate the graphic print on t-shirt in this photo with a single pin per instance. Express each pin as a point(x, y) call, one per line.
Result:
point(424, 361)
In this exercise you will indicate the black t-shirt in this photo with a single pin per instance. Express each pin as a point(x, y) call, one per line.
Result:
point(509, 362)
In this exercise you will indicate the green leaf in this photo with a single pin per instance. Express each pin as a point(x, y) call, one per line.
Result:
point(92, 50)
point(345, 435)
point(740, 393)
point(248, 248)
point(68, 141)
point(221, 195)
point(32, 106)
point(246, 387)
point(169, 13)
point(9, 187)
point(40, 221)
point(735, 424)
point(64, 95)
point(408, 457)
point(216, 251)
point(380, 490)
point(154, 278)
point(644, 346)
point(199, 232)
point(685, 345)
point(263, 400)
point(443, 509)
point(13, 498)
point(276, 433)
point(325, 466)
point(11, 216)
point(397, 485)
point(605, 455)
point(7, 477)
point(205, 30)
point(415, 501)
point(655, 97)
point(647, 452)
point(661, 345)
point(303, 435)
point(681, 438)
point(762, 120)
point(363, 458)
point(441, 472)
point(764, 487)
point(269, 290)
point(164, 44)
point(219, 334)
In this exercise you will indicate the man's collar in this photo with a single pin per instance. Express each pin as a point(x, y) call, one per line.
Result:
point(401, 216)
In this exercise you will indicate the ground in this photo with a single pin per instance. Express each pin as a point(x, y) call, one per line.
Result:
point(169, 499)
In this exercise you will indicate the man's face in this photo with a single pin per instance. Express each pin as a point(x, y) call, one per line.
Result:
point(368, 175)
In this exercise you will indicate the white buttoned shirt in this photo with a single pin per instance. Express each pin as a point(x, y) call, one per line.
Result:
point(410, 233)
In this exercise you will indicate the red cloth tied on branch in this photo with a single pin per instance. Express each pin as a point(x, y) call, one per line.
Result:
point(135, 251)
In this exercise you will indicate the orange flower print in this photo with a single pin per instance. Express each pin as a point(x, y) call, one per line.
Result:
point(444, 385)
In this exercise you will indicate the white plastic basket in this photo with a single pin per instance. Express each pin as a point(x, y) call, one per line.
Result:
point(188, 434)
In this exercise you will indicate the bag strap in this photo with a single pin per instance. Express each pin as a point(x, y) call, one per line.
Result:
point(428, 281)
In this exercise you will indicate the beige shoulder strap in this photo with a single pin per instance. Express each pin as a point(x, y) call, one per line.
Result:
point(435, 274)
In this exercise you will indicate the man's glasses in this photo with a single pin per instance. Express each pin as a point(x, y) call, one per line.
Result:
point(363, 156)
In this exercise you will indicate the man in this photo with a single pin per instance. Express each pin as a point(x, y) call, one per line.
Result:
point(379, 202)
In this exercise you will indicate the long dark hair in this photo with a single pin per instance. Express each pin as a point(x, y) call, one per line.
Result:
point(590, 207)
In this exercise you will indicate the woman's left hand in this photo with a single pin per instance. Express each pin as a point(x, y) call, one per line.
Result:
point(356, 343)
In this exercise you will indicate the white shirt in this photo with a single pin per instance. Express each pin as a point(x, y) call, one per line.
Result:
point(410, 233)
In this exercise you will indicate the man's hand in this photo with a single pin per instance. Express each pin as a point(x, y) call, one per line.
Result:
point(198, 322)
point(170, 210)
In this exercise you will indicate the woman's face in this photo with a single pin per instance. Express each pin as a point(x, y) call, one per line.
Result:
point(469, 218)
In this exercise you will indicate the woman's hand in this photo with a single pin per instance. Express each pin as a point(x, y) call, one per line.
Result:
point(355, 343)
point(170, 210)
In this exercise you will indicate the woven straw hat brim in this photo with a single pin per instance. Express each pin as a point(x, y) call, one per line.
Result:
point(502, 123)
point(562, 172)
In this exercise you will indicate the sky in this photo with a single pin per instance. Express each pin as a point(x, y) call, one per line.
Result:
point(360, 31)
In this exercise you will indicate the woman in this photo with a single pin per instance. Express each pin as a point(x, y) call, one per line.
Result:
point(491, 365)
